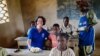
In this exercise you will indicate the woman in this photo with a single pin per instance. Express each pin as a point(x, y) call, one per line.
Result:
point(37, 35)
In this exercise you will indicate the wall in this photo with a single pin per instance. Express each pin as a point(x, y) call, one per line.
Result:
point(46, 8)
point(34, 8)
point(9, 31)
point(22, 12)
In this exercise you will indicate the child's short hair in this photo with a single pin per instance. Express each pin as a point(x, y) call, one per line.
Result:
point(66, 17)
point(65, 35)
point(55, 25)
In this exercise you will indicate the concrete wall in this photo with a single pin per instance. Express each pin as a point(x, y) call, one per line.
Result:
point(46, 8)
point(21, 12)
point(9, 31)
point(34, 8)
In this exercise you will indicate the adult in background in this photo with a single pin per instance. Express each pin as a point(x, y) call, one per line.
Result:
point(37, 35)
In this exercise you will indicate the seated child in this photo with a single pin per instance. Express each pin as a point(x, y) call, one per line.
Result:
point(68, 28)
point(62, 47)
point(54, 31)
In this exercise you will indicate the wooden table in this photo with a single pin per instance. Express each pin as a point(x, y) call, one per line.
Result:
point(26, 52)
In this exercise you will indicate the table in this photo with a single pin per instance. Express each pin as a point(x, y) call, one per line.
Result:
point(26, 52)
point(22, 41)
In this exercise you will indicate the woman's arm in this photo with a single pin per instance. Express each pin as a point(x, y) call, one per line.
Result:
point(29, 43)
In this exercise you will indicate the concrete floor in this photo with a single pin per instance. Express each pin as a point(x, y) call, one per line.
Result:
point(97, 49)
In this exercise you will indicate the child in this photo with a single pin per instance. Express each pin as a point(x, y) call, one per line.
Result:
point(54, 31)
point(68, 28)
point(86, 33)
point(62, 49)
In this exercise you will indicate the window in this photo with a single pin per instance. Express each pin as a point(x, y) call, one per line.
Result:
point(4, 17)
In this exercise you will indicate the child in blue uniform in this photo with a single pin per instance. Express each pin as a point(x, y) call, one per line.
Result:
point(86, 34)
point(86, 37)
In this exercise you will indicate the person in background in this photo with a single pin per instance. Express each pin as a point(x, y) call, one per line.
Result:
point(37, 35)
point(53, 34)
point(86, 32)
point(32, 24)
point(62, 47)
point(68, 28)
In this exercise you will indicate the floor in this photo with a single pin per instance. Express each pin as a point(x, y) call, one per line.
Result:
point(97, 50)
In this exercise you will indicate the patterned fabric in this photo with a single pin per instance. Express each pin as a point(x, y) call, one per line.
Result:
point(85, 50)
point(91, 17)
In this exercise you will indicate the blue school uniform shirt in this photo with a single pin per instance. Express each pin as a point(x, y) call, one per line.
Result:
point(86, 37)
point(37, 38)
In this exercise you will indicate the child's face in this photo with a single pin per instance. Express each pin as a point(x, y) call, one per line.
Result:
point(62, 42)
point(55, 29)
point(66, 22)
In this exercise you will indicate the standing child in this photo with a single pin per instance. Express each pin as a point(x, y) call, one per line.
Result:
point(86, 31)
point(62, 49)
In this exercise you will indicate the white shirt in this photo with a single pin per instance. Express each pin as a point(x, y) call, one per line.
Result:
point(56, 52)
point(67, 29)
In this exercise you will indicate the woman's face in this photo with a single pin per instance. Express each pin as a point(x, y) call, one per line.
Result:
point(40, 22)
point(62, 42)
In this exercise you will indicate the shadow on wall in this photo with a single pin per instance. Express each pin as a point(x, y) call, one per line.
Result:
point(7, 42)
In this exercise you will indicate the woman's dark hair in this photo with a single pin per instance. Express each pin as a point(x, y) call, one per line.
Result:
point(44, 20)
point(64, 35)
point(57, 25)
point(66, 17)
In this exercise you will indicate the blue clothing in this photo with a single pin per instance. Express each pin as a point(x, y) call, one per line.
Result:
point(28, 32)
point(86, 37)
point(37, 38)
